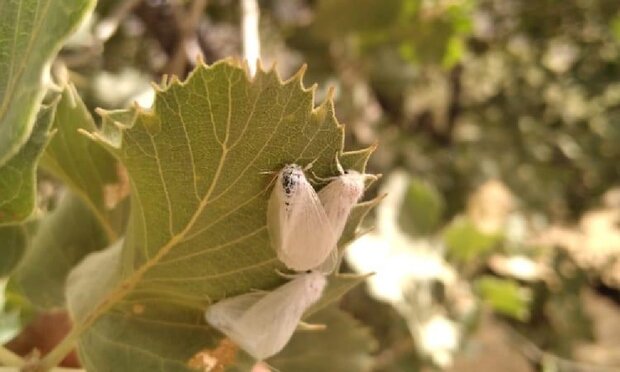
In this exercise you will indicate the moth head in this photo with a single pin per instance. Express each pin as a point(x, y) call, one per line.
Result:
point(290, 178)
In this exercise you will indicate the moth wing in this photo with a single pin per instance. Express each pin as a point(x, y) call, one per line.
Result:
point(224, 314)
point(275, 217)
point(331, 262)
point(339, 197)
point(269, 324)
point(307, 234)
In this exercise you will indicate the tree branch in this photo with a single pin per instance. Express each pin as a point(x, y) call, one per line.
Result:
point(9, 358)
point(250, 35)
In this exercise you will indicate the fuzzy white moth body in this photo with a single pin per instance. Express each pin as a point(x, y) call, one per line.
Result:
point(299, 228)
point(340, 196)
point(262, 323)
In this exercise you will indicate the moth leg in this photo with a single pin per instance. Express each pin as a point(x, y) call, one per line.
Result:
point(269, 366)
point(303, 326)
point(258, 291)
point(285, 275)
point(268, 172)
point(311, 164)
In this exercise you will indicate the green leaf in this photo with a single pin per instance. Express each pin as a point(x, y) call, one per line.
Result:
point(13, 242)
point(90, 171)
point(31, 33)
point(335, 17)
point(343, 346)
point(18, 175)
point(465, 242)
point(64, 237)
point(422, 208)
point(505, 296)
point(197, 230)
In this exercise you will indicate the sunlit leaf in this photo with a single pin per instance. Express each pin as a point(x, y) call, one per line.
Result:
point(197, 230)
point(31, 32)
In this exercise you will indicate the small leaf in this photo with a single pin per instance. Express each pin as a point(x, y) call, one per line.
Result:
point(465, 242)
point(18, 175)
point(505, 296)
point(13, 241)
point(337, 286)
point(356, 218)
point(64, 237)
point(343, 346)
point(31, 33)
point(197, 230)
point(92, 278)
point(90, 171)
point(422, 208)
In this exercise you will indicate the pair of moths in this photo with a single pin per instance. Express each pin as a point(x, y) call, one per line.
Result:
point(262, 323)
point(304, 227)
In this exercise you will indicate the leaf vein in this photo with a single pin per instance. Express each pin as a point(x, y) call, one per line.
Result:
point(216, 248)
point(213, 276)
point(189, 147)
point(163, 182)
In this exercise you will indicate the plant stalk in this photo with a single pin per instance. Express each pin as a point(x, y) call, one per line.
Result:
point(9, 358)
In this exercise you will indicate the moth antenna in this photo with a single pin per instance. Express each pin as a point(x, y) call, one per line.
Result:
point(311, 164)
point(268, 172)
point(374, 177)
point(321, 179)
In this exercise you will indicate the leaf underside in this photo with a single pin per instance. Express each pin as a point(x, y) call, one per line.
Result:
point(197, 231)
point(18, 175)
point(83, 166)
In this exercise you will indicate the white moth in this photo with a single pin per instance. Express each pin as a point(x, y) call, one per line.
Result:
point(338, 199)
point(340, 196)
point(262, 323)
point(300, 230)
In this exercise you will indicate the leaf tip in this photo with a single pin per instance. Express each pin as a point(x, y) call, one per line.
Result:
point(299, 75)
point(331, 92)
point(200, 61)
point(90, 135)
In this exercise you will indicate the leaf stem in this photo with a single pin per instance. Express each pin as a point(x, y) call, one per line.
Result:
point(9, 358)
point(54, 357)
point(251, 38)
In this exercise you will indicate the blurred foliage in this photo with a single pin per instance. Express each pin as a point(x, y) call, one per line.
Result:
point(422, 208)
point(505, 296)
point(465, 242)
